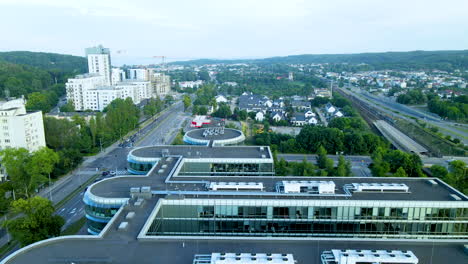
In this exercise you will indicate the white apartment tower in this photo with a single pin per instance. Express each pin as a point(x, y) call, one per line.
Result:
point(19, 129)
point(99, 62)
point(78, 87)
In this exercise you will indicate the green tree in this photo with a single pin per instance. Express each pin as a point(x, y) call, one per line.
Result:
point(224, 111)
point(400, 172)
point(458, 175)
point(322, 157)
point(439, 171)
point(38, 102)
point(68, 107)
point(343, 168)
point(28, 170)
point(187, 102)
point(379, 167)
point(281, 167)
point(37, 221)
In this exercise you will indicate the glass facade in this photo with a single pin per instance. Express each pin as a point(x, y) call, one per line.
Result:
point(309, 221)
point(139, 167)
point(226, 169)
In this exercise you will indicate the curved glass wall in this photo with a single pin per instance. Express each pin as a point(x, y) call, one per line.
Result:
point(139, 167)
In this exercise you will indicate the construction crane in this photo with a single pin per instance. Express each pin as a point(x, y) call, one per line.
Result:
point(163, 59)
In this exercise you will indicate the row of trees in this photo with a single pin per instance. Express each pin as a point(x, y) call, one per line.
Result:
point(456, 175)
point(324, 166)
point(456, 109)
point(76, 138)
point(27, 170)
point(411, 97)
point(311, 138)
point(396, 163)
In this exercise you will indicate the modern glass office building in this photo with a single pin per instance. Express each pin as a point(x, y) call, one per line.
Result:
point(310, 218)
point(204, 161)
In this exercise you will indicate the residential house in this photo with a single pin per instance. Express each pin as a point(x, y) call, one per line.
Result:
point(221, 99)
point(309, 114)
point(252, 102)
point(277, 116)
point(298, 119)
point(330, 108)
point(260, 116)
point(301, 105)
point(312, 121)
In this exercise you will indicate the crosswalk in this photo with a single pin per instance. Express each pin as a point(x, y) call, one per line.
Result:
point(121, 172)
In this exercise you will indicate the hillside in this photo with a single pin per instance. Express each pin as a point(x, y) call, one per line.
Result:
point(444, 60)
point(46, 61)
point(38, 76)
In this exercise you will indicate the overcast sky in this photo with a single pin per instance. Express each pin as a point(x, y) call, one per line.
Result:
point(181, 29)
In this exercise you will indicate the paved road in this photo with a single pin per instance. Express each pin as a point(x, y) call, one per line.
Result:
point(164, 131)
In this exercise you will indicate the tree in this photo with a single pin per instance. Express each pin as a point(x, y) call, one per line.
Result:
point(400, 172)
point(281, 167)
point(187, 102)
point(438, 171)
point(379, 167)
point(242, 115)
point(28, 170)
point(343, 168)
point(224, 111)
point(321, 157)
point(68, 107)
point(38, 102)
point(153, 107)
point(458, 175)
point(38, 221)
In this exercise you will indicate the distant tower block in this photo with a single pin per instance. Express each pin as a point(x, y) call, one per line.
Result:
point(291, 76)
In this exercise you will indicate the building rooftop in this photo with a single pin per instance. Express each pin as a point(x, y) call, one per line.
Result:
point(127, 243)
point(189, 151)
point(228, 134)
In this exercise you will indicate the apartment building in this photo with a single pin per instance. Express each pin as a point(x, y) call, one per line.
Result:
point(98, 88)
point(20, 129)
point(99, 62)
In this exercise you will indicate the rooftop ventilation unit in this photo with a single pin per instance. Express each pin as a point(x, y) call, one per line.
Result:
point(380, 187)
point(321, 187)
point(350, 256)
point(244, 258)
point(235, 186)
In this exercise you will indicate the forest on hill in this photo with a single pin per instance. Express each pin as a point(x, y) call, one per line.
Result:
point(39, 76)
point(412, 60)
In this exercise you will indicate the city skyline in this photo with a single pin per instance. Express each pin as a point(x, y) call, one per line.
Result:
point(208, 29)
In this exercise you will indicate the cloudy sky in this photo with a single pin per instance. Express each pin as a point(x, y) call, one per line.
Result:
point(182, 29)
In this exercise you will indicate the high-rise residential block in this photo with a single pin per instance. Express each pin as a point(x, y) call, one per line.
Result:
point(99, 62)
